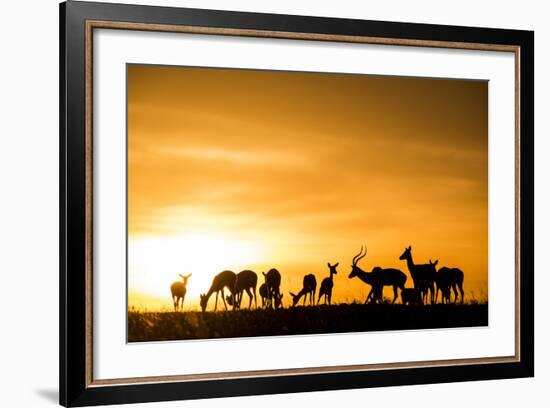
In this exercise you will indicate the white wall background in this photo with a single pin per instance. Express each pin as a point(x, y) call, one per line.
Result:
point(29, 200)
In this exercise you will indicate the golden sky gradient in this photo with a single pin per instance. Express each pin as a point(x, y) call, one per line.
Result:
point(244, 169)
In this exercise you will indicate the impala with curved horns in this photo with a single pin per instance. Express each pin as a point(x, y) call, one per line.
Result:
point(378, 278)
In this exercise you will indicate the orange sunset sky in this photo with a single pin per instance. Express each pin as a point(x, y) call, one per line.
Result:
point(245, 169)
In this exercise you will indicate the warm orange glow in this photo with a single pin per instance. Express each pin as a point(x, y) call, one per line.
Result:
point(240, 169)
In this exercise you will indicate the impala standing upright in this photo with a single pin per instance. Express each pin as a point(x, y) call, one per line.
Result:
point(327, 284)
point(423, 275)
point(179, 289)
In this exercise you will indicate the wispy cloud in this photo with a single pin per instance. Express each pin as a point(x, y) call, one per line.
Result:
point(235, 156)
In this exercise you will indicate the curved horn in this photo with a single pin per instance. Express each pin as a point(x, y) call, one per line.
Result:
point(362, 256)
point(360, 252)
point(359, 256)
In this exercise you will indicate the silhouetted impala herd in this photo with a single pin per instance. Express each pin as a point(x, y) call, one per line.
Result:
point(427, 283)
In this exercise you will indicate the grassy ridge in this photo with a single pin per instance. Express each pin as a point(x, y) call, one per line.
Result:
point(156, 326)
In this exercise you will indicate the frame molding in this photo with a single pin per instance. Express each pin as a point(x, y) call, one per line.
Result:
point(77, 22)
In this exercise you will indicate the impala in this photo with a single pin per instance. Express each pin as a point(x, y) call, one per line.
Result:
point(308, 288)
point(327, 284)
point(423, 275)
point(225, 279)
point(411, 296)
point(246, 281)
point(447, 279)
point(179, 289)
point(273, 286)
point(378, 278)
point(263, 294)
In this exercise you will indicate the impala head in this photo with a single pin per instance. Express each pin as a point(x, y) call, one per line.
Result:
point(295, 298)
point(354, 268)
point(185, 277)
point(406, 254)
point(434, 263)
point(332, 268)
point(204, 300)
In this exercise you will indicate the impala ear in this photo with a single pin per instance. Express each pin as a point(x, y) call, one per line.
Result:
point(328, 264)
point(263, 273)
point(336, 264)
point(409, 248)
point(188, 276)
point(436, 261)
point(180, 275)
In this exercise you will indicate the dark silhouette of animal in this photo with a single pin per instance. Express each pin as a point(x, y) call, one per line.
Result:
point(423, 275)
point(309, 287)
point(225, 279)
point(411, 296)
point(246, 282)
point(447, 279)
point(263, 294)
point(325, 291)
point(179, 289)
point(273, 285)
point(377, 278)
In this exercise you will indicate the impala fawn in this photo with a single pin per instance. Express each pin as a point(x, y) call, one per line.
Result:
point(411, 296)
point(179, 289)
point(327, 284)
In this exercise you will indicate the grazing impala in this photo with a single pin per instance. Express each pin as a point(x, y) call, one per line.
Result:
point(423, 275)
point(309, 288)
point(447, 279)
point(327, 284)
point(378, 278)
point(225, 279)
point(411, 296)
point(263, 294)
point(179, 289)
point(273, 286)
point(246, 282)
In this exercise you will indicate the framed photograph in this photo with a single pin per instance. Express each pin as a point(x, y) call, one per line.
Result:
point(256, 203)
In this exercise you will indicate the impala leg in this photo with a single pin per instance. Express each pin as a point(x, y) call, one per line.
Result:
point(394, 294)
point(223, 298)
point(249, 293)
